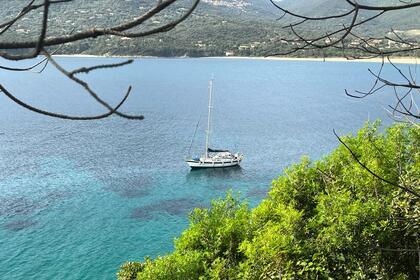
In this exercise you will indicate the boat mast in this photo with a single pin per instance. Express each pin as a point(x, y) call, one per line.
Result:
point(209, 119)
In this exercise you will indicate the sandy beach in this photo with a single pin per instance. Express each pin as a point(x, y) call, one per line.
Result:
point(397, 60)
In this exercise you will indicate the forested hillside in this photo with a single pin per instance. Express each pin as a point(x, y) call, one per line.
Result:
point(329, 219)
point(217, 28)
point(404, 20)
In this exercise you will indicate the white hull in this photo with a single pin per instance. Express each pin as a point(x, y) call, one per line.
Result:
point(213, 164)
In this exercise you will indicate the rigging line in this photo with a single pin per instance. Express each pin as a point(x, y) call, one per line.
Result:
point(195, 132)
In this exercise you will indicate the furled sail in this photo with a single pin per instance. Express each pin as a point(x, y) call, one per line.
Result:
point(216, 151)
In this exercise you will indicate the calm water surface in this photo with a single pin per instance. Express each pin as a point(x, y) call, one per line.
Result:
point(77, 199)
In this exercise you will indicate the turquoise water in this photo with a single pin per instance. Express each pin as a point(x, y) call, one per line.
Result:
point(77, 199)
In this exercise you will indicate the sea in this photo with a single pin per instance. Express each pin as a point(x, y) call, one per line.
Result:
point(80, 198)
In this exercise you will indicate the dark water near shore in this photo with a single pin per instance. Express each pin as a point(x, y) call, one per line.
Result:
point(77, 199)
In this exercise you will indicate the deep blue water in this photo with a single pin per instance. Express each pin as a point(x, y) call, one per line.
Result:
point(77, 199)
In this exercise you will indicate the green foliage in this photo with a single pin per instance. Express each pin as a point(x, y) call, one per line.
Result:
point(217, 233)
point(129, 270)
point(328, 219)
point(178, 266)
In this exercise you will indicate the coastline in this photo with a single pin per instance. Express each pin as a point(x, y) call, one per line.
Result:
point(397, 60)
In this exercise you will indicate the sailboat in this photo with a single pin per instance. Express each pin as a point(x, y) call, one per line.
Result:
point(214, 158)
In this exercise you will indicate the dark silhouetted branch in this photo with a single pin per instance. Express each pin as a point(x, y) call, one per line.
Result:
point(63, 116)
point(125, 29)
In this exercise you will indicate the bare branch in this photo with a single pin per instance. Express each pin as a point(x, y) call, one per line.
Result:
point(126, 29)
point(88, 89)
point(97, 32)
point(63, 116)
point(86, 70)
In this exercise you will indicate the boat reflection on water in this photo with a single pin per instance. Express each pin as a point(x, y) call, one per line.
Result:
point(233, 172)
point(217, 179)
point(236, 179)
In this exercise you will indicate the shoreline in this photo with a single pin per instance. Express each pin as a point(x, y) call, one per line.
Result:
point(397, 59)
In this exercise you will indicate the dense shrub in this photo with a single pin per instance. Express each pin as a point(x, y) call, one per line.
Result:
point(329, 219)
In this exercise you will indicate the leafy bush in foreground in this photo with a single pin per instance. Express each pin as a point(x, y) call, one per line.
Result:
point(329, 219)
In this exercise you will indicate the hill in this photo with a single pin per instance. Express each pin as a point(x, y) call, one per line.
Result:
point(217, 27)
point(403, 19)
